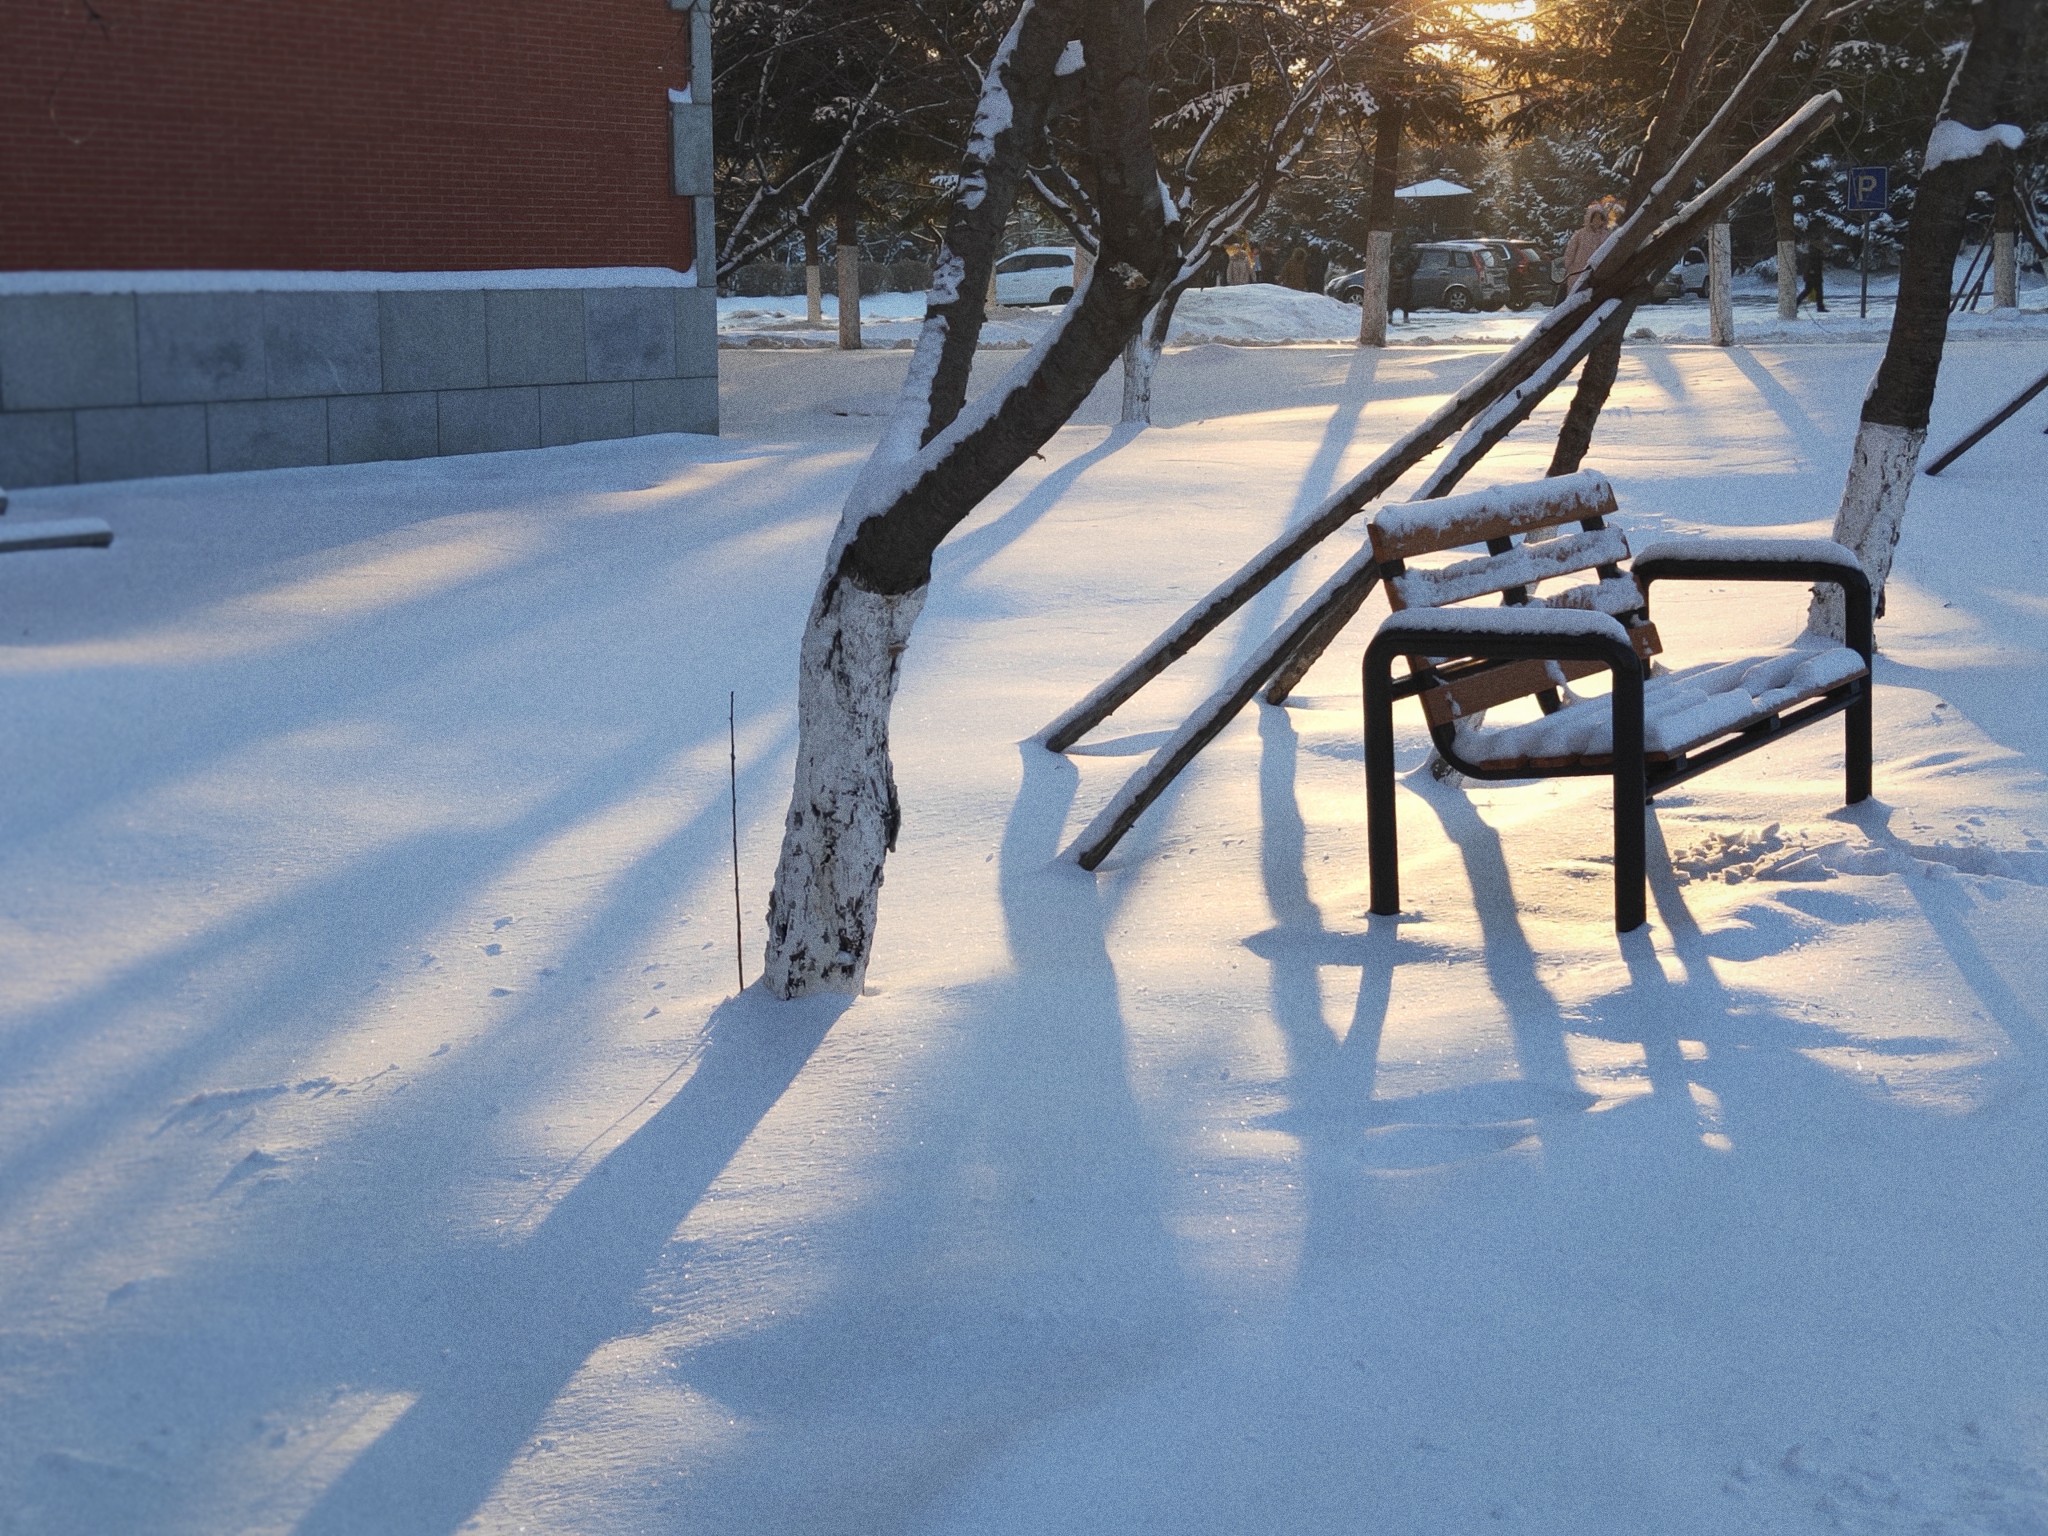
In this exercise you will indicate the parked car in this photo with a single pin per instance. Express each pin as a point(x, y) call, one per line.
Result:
point(1528, 272)
point(1039, 274)
point(1461, 275)
point(1689, 276)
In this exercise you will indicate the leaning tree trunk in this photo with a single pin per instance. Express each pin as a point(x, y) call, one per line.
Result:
point(937, 461)
point(1379, 235)
point(1785, 218)
point(1661, 145)
point(1967, 151)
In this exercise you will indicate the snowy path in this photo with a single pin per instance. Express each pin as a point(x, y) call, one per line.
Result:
point(382, 1151)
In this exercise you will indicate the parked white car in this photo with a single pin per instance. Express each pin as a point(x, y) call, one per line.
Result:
point(1039, 274)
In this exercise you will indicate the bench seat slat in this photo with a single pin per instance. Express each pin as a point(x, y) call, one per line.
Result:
point(1682, 711)
point(1517, 680)
point(1523, 566)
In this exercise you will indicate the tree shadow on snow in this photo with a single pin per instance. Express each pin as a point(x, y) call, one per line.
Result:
point(527, 1318)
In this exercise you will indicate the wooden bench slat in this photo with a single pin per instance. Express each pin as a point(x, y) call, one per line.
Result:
point(1523, 566)
point(1420, 528)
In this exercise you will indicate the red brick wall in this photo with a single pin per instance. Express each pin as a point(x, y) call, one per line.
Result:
point(339, 134)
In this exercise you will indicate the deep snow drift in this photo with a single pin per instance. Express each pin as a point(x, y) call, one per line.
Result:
point(382, 1149)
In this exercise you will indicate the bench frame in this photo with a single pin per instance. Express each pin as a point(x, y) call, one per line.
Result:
point(1637, 780)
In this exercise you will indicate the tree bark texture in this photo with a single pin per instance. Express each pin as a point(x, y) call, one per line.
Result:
point(1720, 274)
point(936, 462)
point(1660, 151)
point(2005, 269)
point(814, 278)
point(1894, 419)
point(849, 277)
point(1785, 218)
point(1379, 240)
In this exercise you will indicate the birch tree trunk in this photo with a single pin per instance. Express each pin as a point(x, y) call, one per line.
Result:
point(1141, 359)
point(849, 278)
point(1720, 274)
point(1787, 223)
point(814, 279)
point(1379, 239)
point(2005, 269)
point(1967, 151)
point(937, 461)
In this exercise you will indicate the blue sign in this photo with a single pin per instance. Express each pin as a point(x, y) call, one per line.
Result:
point(1869, 189)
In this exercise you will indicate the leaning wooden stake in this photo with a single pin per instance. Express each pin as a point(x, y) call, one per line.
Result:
point(1630, 254)
point(1989, 426)
point(1495, 423)
point(1615, 282)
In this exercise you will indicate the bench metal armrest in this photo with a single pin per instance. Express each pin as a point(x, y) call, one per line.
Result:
point(1821, 562)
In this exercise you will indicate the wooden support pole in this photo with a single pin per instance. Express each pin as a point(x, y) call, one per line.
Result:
point(1479, 440)
point(1988, 427)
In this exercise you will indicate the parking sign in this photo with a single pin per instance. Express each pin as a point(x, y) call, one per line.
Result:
point(1869, 189)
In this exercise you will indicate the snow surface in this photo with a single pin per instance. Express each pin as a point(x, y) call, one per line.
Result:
point(382, 1148)
point(1265, 314)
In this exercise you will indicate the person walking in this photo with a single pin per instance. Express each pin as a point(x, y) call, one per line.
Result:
point(1240, 268)
point(1813, 269)
point(1585, 240)
point(1295, 274)
point(1257, 258)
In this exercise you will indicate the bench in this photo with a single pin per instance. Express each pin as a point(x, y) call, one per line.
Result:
point(1656, 728)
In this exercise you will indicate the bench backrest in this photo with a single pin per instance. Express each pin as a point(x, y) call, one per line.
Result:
point(1527, 538)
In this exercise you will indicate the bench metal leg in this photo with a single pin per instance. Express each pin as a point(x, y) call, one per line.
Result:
point(1856, 747)
point(1631, 791)
point(1380, 836)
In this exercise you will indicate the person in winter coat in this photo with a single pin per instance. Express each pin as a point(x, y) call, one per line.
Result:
point(1585, 240)
point(1257, 258)
point(1812, 269)
point(1401, 283)
point(1240, 269)
point(1295, 274)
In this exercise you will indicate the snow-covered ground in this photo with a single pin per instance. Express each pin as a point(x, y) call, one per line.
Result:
point(383, 1149)
point(1263, 314)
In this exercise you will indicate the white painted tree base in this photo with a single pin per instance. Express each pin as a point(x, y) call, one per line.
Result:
point(1141, 365)
point(842, 811)
point(1873, 507)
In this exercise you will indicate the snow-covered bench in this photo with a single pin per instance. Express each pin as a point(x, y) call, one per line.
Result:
point(1657, 727)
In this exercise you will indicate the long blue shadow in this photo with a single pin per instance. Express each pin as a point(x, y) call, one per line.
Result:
point(522, 1322)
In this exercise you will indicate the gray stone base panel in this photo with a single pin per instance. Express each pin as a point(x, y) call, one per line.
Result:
point(38, 448)
point(266, 434)
point(130, 442)
point(124, 385)
point(362, 428)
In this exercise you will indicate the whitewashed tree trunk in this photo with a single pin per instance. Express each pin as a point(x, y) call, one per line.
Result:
point(1084, 265)
point(1788, 280)
point(1141, 363)
point(814, 295)
point(1872, 511)
point(1372, 305)
point(843, 813)
point(1720, 275)
point(2005, 271)
point(849, 297)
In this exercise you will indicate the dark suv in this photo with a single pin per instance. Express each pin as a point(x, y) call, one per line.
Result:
point(1528, 271)
point(1443, 274)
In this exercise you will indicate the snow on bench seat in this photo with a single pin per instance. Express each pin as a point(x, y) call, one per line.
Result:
point(1681, 710)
